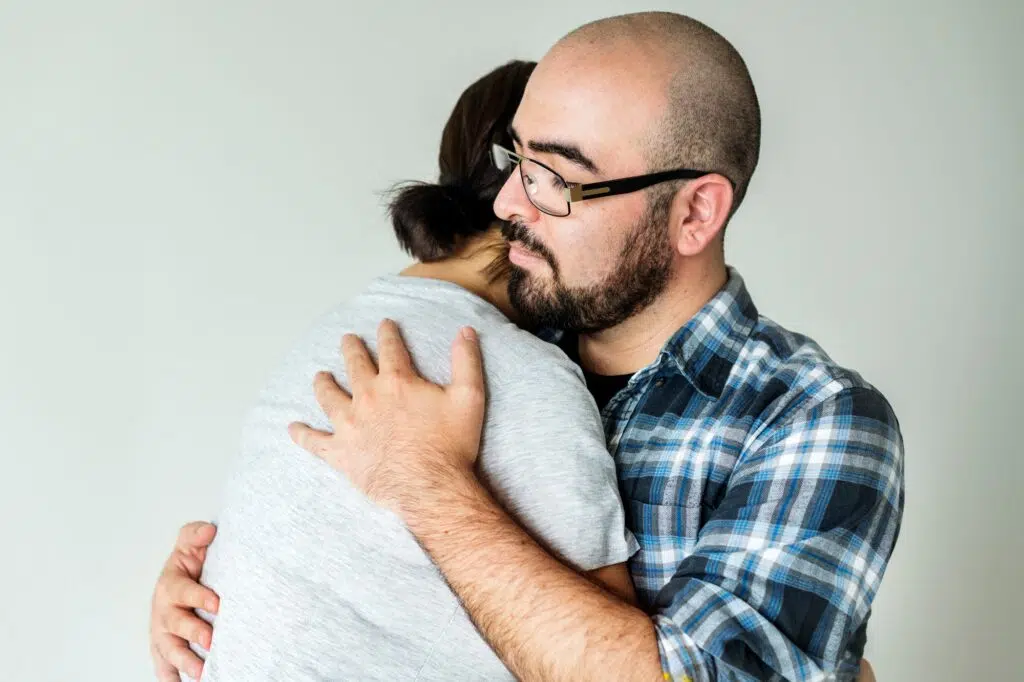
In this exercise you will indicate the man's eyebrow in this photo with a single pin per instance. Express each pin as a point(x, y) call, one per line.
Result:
point(566, 150)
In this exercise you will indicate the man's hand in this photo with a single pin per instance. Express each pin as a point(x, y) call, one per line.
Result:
point(411, 446)
point(173, 622)
point(398, 430)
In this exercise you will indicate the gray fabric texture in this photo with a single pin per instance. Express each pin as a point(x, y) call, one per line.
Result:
point(318, 583)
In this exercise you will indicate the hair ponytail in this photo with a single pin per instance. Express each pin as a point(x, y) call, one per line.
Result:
point(430, 218)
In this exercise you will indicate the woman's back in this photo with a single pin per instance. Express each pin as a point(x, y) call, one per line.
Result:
point(318, 583)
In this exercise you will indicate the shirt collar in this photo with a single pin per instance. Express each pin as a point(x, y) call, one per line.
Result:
point(705, 349)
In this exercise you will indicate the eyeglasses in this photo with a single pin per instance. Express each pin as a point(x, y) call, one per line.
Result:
point(551, 194)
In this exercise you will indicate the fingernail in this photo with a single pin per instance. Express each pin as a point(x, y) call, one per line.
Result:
point(468, 333)
point(211, 605)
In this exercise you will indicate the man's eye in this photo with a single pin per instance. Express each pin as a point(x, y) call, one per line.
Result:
point(531, 184)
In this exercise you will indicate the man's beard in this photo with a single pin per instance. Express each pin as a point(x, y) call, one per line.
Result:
point(639, 277)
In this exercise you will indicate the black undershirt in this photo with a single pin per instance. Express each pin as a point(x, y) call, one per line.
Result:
point(602, 387)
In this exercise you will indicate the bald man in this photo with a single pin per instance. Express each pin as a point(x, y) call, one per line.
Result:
point(763, 481)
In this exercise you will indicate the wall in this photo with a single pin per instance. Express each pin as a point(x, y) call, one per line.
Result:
point(184, 185)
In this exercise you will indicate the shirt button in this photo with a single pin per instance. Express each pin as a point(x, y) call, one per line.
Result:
point(659, 382)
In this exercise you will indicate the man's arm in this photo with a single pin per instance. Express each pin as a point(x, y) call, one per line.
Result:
point(418, 449)
point(173, 622)
point(785, 568)
point(411, 445)
point(616, 580)
point(543, 619)
point(781, 579)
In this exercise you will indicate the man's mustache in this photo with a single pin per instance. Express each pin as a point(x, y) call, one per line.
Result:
point(517, 232)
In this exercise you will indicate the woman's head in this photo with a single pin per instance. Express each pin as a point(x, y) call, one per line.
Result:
point(430, 219)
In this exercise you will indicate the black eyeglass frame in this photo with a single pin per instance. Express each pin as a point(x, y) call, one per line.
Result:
point(575, 191)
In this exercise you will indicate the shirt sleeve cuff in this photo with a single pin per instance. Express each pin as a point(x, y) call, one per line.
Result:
point(681, 658)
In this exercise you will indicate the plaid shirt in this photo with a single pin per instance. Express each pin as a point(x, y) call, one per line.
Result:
point(764, 484)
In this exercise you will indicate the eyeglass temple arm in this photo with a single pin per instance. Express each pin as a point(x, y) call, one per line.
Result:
point(575, 193)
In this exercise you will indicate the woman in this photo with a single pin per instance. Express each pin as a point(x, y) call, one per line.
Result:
point(316, 582)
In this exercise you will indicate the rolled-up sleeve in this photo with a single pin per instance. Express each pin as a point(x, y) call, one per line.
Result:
point(785, 569)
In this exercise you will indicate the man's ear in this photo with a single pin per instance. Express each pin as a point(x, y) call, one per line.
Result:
point(699, 212)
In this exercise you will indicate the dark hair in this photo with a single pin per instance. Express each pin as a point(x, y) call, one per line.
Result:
point(429, 218)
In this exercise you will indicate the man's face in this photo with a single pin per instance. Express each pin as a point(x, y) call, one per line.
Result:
point(587, 118)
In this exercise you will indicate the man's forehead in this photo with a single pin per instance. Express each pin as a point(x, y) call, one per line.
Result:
point(597, 107)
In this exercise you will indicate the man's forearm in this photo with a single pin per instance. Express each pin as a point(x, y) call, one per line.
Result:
point(543, 619)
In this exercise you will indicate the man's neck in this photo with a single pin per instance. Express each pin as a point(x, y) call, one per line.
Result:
point(636, 342)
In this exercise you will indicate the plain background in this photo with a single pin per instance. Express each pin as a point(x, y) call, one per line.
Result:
point(185, 185)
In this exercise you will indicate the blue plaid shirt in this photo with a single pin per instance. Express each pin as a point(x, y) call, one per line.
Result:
point(764, 484)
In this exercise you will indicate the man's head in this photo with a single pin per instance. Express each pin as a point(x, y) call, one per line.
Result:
point(617, 98)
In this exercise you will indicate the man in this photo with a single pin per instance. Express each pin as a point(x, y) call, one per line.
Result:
point(763, 482)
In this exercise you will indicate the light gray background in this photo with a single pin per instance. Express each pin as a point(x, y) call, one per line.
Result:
point(184, 185)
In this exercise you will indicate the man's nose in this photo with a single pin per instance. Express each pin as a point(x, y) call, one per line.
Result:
point(512, 201)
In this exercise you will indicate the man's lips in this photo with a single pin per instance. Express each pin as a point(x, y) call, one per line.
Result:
point(520, 255)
